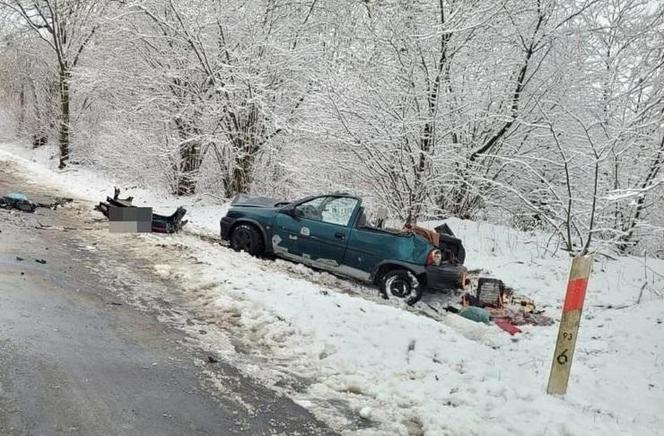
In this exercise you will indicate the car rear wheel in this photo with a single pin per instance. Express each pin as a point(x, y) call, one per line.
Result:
point(247, 238)
point(401, 284)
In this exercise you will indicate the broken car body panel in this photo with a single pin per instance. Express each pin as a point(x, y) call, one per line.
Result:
point(330, 232)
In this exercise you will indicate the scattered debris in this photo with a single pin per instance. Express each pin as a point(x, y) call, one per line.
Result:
point(41, 226)
point(59, 202)
point(19, 201)
point(506, 325)
point(495, 301)
point(490, 292)
point(519, 316)
point(160, 223)
point(476, 314)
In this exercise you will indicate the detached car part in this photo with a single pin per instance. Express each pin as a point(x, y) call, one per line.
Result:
point(160, 223)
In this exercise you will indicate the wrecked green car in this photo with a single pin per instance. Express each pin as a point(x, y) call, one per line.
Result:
point(331, 232)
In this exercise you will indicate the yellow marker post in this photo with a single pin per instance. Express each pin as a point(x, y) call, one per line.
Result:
point(569, 324)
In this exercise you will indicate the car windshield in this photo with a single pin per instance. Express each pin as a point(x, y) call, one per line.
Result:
point(333, 210)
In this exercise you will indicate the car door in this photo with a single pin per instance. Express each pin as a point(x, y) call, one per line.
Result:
point(286, 236)
point(325, 229)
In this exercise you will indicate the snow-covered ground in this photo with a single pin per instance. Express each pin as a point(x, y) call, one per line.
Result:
point(402, 372)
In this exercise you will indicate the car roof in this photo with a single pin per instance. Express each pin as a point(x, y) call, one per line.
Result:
point(329, 194)
point(337, 194)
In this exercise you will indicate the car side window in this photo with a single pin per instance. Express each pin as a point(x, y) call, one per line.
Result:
point(310, 209)
point(333, 210)
point(338, 210)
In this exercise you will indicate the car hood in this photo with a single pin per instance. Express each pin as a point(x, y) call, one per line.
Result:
point(256, 201)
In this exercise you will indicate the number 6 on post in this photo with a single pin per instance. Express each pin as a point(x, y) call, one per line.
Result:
point(569, 324)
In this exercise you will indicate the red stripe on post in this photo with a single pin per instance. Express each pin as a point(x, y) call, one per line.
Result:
point(576, 294)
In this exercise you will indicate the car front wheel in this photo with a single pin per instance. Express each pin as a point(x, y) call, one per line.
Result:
point(247, 238)
point(401, 284)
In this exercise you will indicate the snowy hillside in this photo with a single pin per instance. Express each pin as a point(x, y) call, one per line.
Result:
point(406, 373)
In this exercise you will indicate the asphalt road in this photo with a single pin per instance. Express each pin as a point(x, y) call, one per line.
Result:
point(75, 361)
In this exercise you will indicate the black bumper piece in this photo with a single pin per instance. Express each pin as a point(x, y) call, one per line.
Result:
point(225, 226)
point(446, 276)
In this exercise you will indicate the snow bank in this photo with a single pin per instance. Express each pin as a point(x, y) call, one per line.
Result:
point(405, 373)
point(401, 369)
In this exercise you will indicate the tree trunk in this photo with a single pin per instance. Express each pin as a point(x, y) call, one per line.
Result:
point(63, 137)
point(190, 162)
point(241, 178)
point(626, 240)
point(190, 157)
point(21, 109)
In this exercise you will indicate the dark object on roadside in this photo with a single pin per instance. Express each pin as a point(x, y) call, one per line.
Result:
point(19, 258)
point(469, 299)
point(160, 223)
point(42, 261)
point(334, 232)
point(490, 292)
point(452, 308)
point(447, 274)
point(169, 224)
point(130, 219)
point(59, 202)
point(18, 200)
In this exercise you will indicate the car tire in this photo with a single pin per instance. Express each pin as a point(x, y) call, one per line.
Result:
point(247, 238)
point(401, 284)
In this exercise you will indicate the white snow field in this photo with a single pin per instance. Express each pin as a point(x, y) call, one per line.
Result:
point(405, 373)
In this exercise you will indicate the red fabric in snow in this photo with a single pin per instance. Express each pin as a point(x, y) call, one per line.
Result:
point(506, 325)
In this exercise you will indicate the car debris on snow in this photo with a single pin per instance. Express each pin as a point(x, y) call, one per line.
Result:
point(19, 201)
point(160, 223)
point(493, 301)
